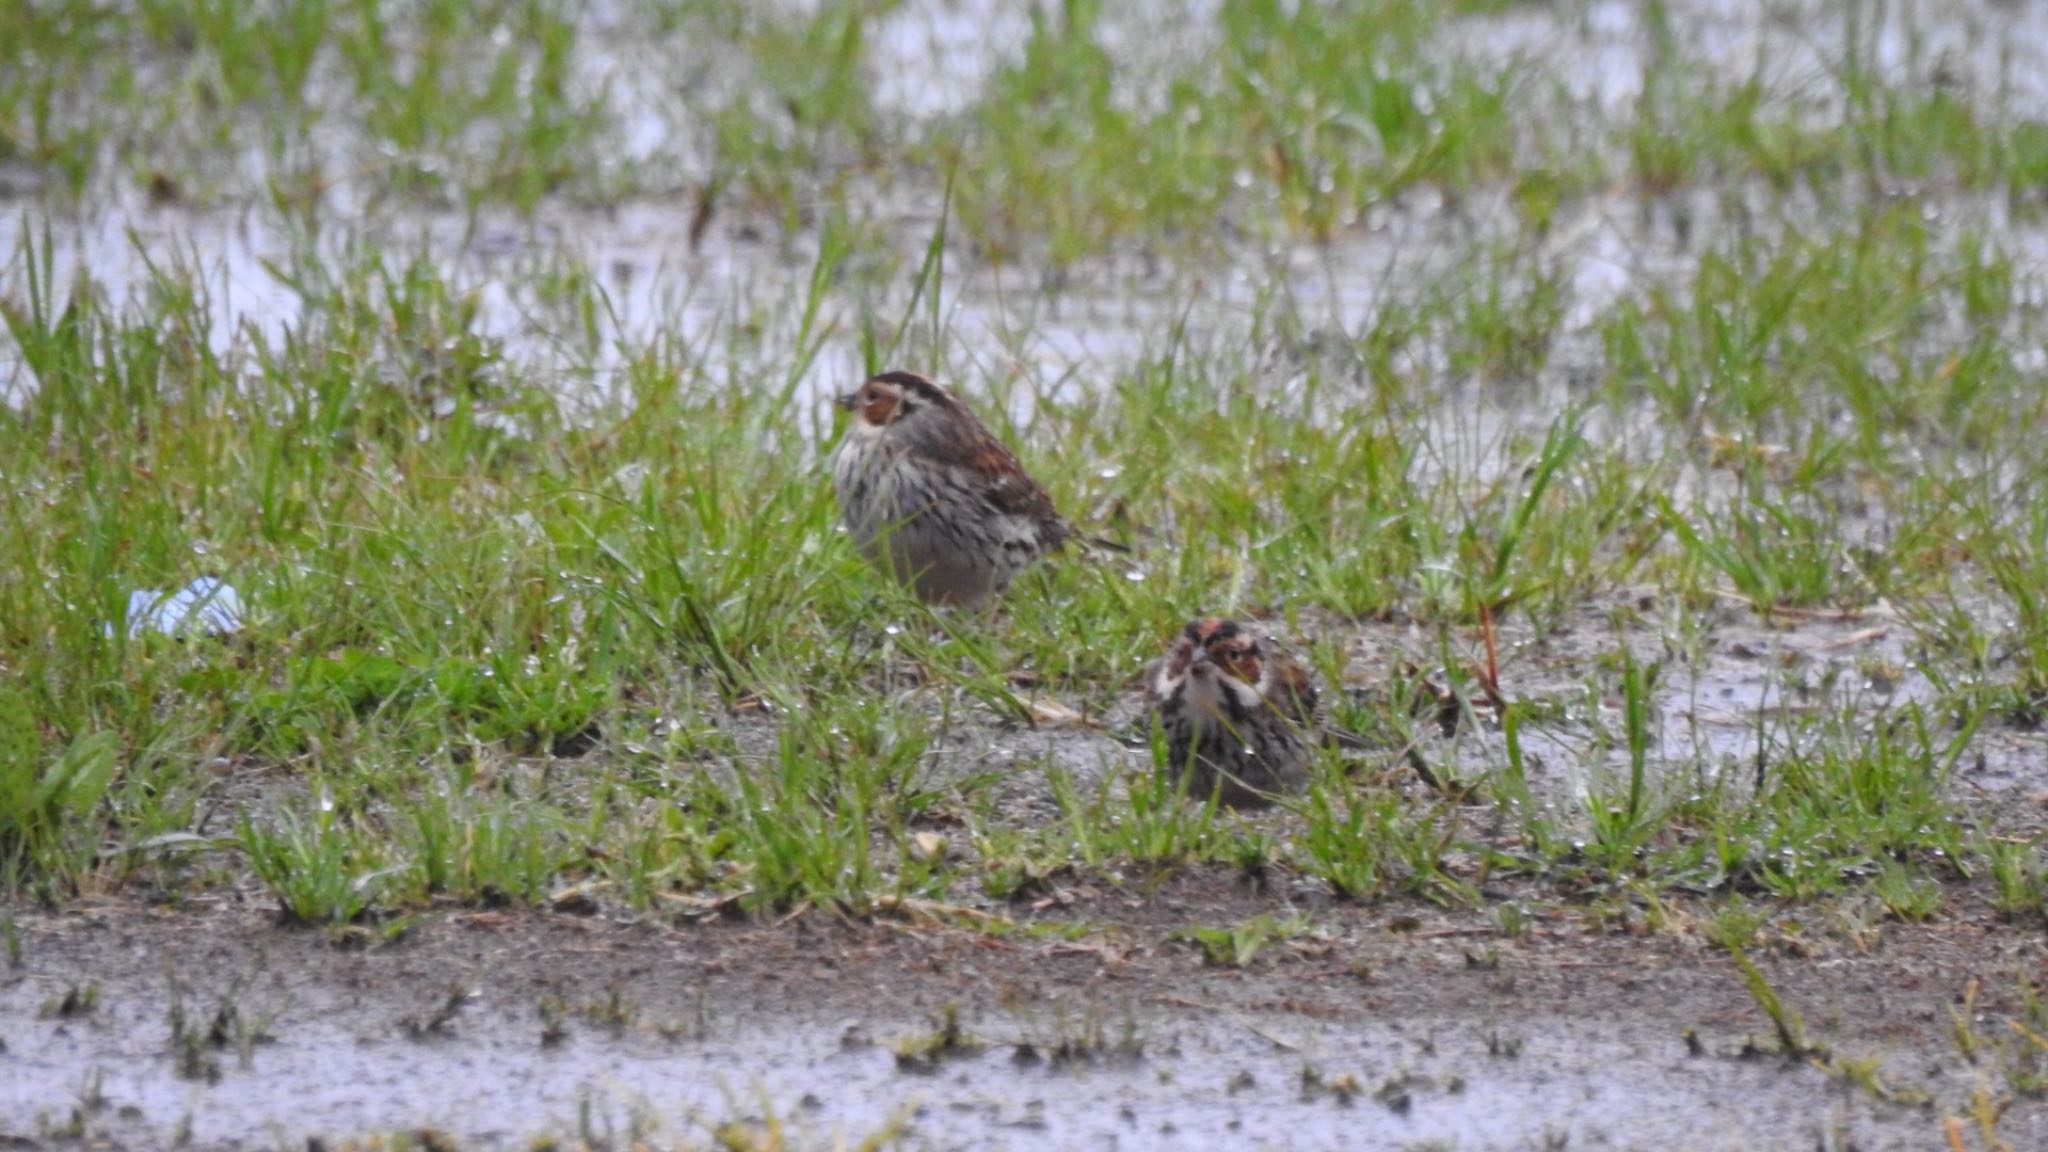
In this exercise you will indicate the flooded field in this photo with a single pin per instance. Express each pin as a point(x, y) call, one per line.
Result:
point(1626, 412)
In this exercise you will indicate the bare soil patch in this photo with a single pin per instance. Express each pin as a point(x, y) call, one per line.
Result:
point(1086, 1019)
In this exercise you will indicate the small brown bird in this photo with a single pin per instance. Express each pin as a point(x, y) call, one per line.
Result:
point(1237, 710)
point(935, 499)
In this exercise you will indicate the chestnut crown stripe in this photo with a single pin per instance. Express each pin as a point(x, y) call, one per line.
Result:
point(912, 381)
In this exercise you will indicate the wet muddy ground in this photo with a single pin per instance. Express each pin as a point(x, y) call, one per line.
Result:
point(1081, 1021)
point(1087, 1014)
point(1090, 1013)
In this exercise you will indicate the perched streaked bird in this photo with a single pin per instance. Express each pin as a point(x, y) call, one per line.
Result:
point(933, 498)
point(1238, 712)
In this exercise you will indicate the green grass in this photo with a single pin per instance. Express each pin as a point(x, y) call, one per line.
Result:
point(553, 607)
point(453, 100)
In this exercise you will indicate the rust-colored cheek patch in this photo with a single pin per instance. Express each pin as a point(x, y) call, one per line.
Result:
point(1177, 664)
point(879, 408)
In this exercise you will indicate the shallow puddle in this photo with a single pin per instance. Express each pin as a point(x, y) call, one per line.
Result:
point(1201, 1079)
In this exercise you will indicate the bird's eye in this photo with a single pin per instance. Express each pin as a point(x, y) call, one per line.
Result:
point(879, 406)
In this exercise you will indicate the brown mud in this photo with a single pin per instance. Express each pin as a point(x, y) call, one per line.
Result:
point(1085, 1018)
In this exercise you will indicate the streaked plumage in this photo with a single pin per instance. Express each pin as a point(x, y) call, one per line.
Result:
point(933, 498)
point(1237, 711)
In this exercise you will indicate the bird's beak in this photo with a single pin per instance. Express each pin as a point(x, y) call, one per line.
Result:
point(1201, 661)
point(850, 401)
